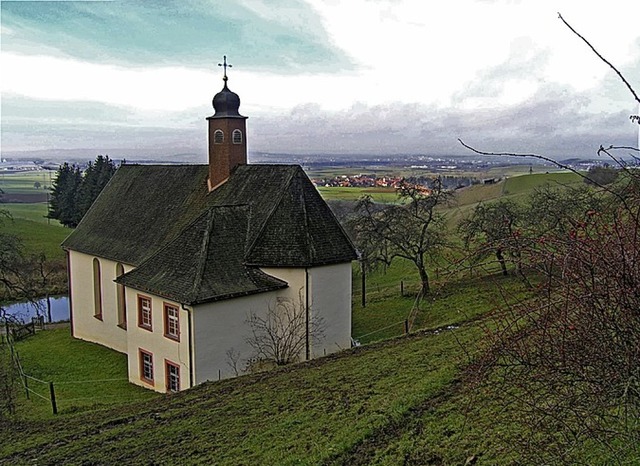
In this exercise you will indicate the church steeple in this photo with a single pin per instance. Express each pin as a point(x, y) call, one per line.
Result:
point(227, 134)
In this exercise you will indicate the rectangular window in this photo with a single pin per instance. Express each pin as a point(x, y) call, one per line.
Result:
point(144, 312)
point(146, 367)
point(172, 372)
point(171, 322)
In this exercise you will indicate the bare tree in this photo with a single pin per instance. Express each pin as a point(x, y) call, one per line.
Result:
point(284, 332)
point(493, 228)
point(570, 359)
point(233, 360)
point(16, 280)
point(413, 230)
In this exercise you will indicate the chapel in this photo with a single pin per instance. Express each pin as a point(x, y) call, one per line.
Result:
point(171, 262)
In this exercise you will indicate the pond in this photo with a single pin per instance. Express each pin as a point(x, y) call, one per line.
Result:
point(25, 311)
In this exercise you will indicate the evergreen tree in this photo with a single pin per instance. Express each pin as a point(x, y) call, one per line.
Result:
point(72, 193)
point(96, 176)
point(62, 200)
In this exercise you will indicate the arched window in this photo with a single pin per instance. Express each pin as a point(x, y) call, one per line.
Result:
point(97, 289)
point(121, 299)
point(237, 136)
point(218, 136)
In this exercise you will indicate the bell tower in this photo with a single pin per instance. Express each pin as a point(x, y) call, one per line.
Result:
point(227, 134)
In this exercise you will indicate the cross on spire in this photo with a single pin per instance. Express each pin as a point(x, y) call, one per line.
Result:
point(225, 65)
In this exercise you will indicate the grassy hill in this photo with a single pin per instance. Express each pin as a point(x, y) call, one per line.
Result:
point(28, 222)
point(412, 399)
point(323, 411)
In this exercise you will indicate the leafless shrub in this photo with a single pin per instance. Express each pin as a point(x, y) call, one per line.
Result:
point(285, 333)
point(233, 358)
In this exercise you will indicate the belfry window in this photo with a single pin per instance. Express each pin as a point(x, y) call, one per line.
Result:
point(237, 136)
point(218, 136)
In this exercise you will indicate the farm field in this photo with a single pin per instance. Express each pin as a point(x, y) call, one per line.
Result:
point(525, 184)
point(23, 182)
point(387, 170)
point(34, 212)
point(382, 195)
point(28, 218)
point(25, 186)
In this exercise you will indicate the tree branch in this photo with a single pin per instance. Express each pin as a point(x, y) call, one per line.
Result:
point(550, 160)
point(635, 96)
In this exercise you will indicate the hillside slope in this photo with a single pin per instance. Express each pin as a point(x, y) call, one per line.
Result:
point(307, 414)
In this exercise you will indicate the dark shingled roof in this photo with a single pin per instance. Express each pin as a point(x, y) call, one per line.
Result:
point(139, 211)
point(153, 214)
point(204, 263)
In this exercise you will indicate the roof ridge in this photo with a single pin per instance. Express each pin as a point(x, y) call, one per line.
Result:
point(337, 222)
point(276, 204)
point(307, 233)
point(203, 254)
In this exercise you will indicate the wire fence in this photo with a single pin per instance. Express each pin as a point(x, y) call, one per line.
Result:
point(69, 393)
point(406, 325)
point(26, 378)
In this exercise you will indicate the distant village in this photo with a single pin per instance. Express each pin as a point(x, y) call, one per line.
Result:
point(394, 182)
point(359, 181)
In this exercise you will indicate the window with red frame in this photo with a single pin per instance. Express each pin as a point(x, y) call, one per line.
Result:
point(173, 376)
point(144, 312)
point(146, 366)
point(171, 322)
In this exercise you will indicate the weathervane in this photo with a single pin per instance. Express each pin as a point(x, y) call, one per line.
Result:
point(224, 64)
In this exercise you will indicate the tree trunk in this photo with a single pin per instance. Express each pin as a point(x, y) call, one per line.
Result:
point(503, 264)
point(424, 278)
point(364, 283)
point(48, 308)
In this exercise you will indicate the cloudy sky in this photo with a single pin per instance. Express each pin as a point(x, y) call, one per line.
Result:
point(136, 78)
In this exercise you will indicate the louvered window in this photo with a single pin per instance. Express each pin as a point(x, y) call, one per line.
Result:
point(237, 136)
point(218, 136)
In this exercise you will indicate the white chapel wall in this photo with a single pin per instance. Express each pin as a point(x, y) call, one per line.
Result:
point(329, 299)
point(222, 326)
point(154, 341)
point(85, 325)
point(330, 291)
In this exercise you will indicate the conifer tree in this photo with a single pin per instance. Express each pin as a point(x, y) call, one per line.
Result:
point(72, 193)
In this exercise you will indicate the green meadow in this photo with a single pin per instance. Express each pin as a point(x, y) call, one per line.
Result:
point(86, 376)
point(24, 182)
point(381, 195)
point(38, 234)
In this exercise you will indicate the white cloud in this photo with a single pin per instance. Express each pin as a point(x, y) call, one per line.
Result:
point(423, 58)
point(45, 77)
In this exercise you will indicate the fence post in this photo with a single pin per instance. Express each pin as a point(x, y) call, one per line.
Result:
point(26, 385)
point(364, 286)
point(406, 326)
point(402, 288)
point(54, 407)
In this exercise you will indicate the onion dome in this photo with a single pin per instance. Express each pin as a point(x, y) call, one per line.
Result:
point(226, 103)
